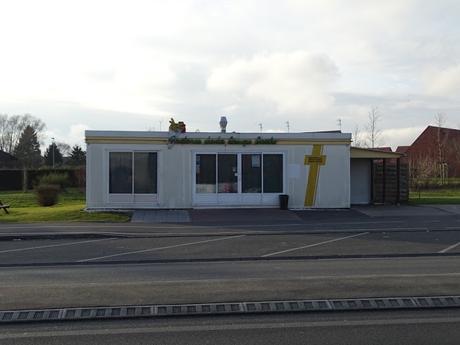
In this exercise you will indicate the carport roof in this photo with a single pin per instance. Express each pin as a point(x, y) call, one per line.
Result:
point(359, 152)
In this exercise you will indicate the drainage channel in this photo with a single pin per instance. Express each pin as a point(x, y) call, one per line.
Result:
point(168, 310)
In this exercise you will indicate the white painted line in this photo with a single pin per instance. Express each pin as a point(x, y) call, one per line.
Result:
point(445, 250)
point(54, 245)
point(160, 248)
point(314, 244)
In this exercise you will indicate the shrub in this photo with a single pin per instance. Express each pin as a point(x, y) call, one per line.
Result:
point(60, 180)
point(47, 194)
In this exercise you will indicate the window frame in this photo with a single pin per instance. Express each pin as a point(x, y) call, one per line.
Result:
point(240, 171)
point(132, 152)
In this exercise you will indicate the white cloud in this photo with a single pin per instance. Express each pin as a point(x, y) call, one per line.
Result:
point(401, 136)
point(445, 82)
point(294, 82)
point(128, 64)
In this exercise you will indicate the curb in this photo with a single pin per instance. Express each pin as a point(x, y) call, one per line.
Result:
point(230, 259)
point(168, 310)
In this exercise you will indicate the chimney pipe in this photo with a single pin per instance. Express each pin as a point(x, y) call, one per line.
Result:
point(223, 124)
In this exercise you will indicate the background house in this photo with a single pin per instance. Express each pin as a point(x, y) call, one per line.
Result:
point(434, 154)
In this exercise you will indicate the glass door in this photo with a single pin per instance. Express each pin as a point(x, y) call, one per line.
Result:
point(227, 173)
point(227, 179)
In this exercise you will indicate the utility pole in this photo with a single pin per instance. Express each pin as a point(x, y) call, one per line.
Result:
point(339, 123)
point(260, 127)
point(288, 126)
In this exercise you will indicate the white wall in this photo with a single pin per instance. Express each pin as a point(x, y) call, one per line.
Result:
point(176, 174)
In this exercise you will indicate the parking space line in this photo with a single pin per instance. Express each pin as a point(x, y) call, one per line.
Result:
point(160, 248)
point(314, 244)
point(53, 245)
point(445, 250)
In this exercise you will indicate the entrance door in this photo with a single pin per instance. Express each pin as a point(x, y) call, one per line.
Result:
point(360, 176)
point(227, 179)
point(235, 179)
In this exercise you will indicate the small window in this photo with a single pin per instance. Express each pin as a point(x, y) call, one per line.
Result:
point(273, 173)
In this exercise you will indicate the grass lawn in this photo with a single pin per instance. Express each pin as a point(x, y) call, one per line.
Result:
point(70, 208)
point(439, 196)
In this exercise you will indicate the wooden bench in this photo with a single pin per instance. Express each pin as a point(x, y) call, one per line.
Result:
point(5, 207)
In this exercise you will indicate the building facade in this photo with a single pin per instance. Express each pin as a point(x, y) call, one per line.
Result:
point(435, 153)
point(160, 170)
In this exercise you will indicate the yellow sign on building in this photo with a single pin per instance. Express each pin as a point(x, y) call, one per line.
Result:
point(315, 160)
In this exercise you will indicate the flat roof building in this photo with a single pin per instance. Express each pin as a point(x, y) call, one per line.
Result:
point(128, 169)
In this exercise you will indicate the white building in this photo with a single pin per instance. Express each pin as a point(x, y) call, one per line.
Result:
point(128, 170)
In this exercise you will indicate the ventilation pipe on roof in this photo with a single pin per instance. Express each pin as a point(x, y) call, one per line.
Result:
point(223, 124)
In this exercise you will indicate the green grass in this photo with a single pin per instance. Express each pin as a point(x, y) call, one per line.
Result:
point(70, 208)
point(438, 196)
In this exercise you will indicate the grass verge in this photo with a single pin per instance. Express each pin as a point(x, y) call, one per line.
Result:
point(24, 209)
point(439, 197)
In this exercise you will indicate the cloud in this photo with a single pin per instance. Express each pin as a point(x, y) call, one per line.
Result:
point(294, 81)
point(445, 82)
point(401, 136)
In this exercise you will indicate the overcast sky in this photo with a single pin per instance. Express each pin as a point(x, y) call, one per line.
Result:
point(131, 65)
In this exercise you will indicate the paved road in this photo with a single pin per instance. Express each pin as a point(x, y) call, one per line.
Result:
point(218, 247)
point(319, 255)
point(396, 327)
point(32, 287)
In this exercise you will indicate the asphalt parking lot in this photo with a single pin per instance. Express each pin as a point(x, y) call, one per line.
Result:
point(234, 246)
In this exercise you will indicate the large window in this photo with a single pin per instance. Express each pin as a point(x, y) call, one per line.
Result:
point(121, 173)
point(227, 168)
point(124, 165)
point(273, 173)
point(251, 166)
point(206, 173)
point(231, 172)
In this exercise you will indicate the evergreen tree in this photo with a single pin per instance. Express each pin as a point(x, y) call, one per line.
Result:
point(77, 156)
point(28, 149)
point(48, 156)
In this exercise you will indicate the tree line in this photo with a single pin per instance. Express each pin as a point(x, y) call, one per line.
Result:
point(20, 136)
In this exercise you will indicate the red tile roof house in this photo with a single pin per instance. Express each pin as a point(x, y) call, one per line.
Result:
point(435, 153)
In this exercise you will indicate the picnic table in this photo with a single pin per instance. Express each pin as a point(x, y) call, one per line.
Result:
point(4, 206)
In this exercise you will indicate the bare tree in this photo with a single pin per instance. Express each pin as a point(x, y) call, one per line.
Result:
point(356, 136)
point(441, 141)
point(64, 148)
point(12, 127)
point(421, 168)
point(374, 133)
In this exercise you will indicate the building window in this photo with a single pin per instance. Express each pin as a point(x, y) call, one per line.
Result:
point(145, 172)
point(218, 173)
point(251, 165)
point(227, 167)
point(121, 174)
point(124, 165)
point(273, 173)
point(205, 173)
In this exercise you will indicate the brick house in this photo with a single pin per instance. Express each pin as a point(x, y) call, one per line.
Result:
point(435, 153)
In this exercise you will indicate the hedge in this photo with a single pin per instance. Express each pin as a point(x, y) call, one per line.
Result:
point(12, 179)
